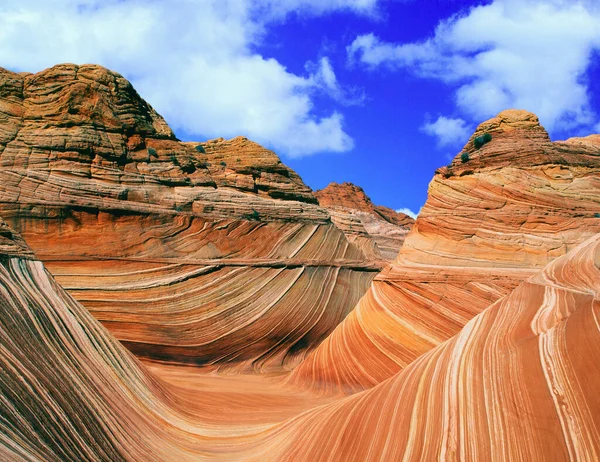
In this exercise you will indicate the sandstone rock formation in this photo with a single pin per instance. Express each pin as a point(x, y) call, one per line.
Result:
point(378, 231)
point(489, 223)
point(200, 253)
point(517, 383)
point(481, 341)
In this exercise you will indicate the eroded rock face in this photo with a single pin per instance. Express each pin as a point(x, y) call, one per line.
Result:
point(519, 382)
point(378, 231)
point(189, 252)
point(516, 204)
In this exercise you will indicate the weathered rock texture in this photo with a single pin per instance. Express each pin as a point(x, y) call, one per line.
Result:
point(489, 223)
point(201, 253)
point(519, 382)
point(378, 231)
point(471, 346)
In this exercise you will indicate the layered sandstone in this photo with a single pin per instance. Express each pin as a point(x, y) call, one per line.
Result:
point(200, 253)
point(519, 202)
point(517, 383)
point(378, 231)
point(470, 346)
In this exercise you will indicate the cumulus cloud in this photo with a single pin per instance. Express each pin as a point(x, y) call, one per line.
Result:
point(193, 60)
point(408, 212)
point(530, 54)
point(448, 131)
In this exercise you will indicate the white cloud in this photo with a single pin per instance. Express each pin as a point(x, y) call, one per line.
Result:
point(193, 60)
point(408, 212)
point(283, 7)
point(448, 131)
point(323, 76)
point(530, 54)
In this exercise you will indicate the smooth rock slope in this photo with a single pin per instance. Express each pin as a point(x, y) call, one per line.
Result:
point(517, 383)
point(489, 223)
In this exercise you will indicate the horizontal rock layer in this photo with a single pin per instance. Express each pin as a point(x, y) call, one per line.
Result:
point(378, 231)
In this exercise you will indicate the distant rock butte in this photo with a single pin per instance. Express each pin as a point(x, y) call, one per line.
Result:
point(519, 202)
point(210, 253)
point(378, 231)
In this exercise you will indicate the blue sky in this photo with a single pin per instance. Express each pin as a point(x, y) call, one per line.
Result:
point(379, 93)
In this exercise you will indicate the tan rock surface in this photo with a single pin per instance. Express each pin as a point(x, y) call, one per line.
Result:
point(474, 348)
point(190, 252)
point(378, 231)
point(517, 383)
point(488, 224)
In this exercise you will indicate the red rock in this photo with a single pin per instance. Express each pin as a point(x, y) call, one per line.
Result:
point(480, 342)
point(518, 203)
point(378, 231)
point(518, 382)
point(189, 252)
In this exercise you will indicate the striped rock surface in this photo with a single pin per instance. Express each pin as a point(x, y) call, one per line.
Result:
point(519, 202)
point(378, 231)
point(519, 382)
point(202, 253)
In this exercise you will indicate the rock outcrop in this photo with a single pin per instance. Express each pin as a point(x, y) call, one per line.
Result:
point(481, 341)
point(517, 383)
point(200, 253)
point(518, 202)
point(378, 231)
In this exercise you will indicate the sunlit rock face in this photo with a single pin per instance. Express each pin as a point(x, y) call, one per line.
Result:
point(480, 341)
point(512, 206)
point(378, 231)
point(203, 253)
point(519, 382)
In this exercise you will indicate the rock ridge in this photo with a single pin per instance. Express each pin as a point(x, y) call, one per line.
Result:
point(378, 231)
point(226, 239)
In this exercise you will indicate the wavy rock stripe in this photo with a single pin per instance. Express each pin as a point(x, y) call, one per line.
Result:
point(405, 313)
point(518, 203)
point(70, 391)
point(220, 253)
point(254, 317)
point(519, 382)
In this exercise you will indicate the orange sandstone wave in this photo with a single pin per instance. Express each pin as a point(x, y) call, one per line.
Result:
point(518, 202)
point(517, 383)
point(204, 253)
